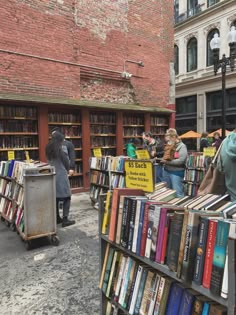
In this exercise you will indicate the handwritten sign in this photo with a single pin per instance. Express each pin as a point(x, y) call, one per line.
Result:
point(97, 152)
point(139, 174)
point(142, 154)
point(11, 155)
point(210, 151)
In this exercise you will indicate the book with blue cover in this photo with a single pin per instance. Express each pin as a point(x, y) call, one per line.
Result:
point(174, 300)
point(140, 291)
point(186, 304)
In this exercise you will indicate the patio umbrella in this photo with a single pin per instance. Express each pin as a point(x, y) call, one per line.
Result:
point(190, 135)
point(220, 132)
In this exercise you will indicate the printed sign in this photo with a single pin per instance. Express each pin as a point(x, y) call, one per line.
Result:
point(210, 151)
point(139, 174)
point(142, 154)
point(11, 155)
point(97, 152)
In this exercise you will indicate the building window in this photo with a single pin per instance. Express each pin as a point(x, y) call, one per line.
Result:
point(193, 7)
point(214, 101)
point(192, 54)
point(176, 60)
point(212, 2)
point(210, 35)
point(186, 105)
point(176, 10)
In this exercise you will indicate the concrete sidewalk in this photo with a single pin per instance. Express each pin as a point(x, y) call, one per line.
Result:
point(53, 280)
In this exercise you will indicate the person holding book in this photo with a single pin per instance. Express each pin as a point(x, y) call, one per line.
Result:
point(204, 143)
point(69, 149)
point(173, 173)
point(227, 163)
point(57, 158)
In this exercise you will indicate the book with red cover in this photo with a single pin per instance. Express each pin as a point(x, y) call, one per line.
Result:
point(209, 253)
point(114, 207)
point(169, 218)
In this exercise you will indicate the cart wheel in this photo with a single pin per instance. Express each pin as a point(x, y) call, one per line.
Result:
point(7, 223)
point(55, 240)
point(27, 245)
point(13, 227)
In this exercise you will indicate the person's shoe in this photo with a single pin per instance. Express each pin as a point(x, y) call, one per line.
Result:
point(66, 222)
point(59, 220)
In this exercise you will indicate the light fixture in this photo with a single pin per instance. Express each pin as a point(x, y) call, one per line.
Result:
point(127, 75)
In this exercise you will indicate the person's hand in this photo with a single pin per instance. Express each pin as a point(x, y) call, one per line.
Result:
point(71, 172)
point(153, 153)
point(162, 161)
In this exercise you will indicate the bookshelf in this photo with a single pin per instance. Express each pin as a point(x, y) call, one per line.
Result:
point(19, 132)
point(160, 269)
point(103, 132)
point(158, 125)
point(71, 126)
point(133, 126)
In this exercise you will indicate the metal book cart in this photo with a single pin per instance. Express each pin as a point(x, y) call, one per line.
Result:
point(39, 205)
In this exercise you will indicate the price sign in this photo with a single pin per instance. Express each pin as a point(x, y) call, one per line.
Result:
point(142, 154)
point(97, 152)
point(11, 155)
point(139, 174)
point(210, 151)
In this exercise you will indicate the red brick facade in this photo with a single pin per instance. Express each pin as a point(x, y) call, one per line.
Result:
point(89, 41)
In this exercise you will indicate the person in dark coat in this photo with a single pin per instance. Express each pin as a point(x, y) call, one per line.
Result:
point(204, 143)
point(217, 141)
point(57, 158)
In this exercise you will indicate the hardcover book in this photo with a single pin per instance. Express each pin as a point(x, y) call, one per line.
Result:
point(153, 294)
point(148, 288)
point(198, 304)
point(120, 278)
point(216, 309)
point(182, 244)
point(114, 264)
point(140, 203)
point(108, 270)
point(136, 289)
point(174, 240)
point(153, 224)
point(129, 284)
point(140, 291)
point(107, 213)
point(169, 219)
point(187, 300)
point(126, 276)
point(174, 300)
point(104, 261)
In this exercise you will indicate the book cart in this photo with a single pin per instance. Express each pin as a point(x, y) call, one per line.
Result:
point(28, 202)
point(163, 270)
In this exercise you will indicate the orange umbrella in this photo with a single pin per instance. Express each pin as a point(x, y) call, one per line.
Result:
point(220, 132)
point(190, 134)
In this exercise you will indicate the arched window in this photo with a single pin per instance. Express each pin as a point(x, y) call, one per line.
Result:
point(176, 59)
point(209, 61)
point(192, 54)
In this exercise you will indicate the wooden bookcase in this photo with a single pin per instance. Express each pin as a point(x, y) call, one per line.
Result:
point(19, 131)
point(158, 125)
point(28, 127)
point(70, 125)
point(230, 303)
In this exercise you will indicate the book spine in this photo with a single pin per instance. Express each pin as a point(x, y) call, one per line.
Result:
point(140, 292)
point(130, 280)
point(144, 231)
point(209, 254)
point(111, 273)
point(124, 285)
point(174, 299)
point(114, 210)
point(120, 278)
point(221, 241)
point(182, 244)
point(147, 293)
point(136, 289)
point(136, 225)
point(108, 270)
point(224, 288)
point(125, 223)
point(140, 228)
point(154, 294)
point(164, 298)
point(131, 223)
point(157, 301)
point(160, 235)
point(131, 291)
point(106, 214)
point(201, 250)
point(150, 226)
point(186, 303)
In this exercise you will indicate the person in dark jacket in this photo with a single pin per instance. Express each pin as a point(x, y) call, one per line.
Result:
point(69, 149)
point(217, 141)
point(204, 143)
point(57, 158)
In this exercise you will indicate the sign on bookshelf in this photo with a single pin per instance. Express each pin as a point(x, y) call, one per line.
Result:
point(142, 154)
point(210, 151)
point(11, 155)
point(97, 152)
point(139, 174)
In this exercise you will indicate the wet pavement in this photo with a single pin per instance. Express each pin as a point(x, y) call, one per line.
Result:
point(49, 279)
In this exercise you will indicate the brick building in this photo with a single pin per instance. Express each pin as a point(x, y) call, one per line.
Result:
point(74, 55)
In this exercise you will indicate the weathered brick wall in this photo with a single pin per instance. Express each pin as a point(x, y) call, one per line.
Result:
point(100, 34)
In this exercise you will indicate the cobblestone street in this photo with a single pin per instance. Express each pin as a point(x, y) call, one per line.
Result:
point(53, 280)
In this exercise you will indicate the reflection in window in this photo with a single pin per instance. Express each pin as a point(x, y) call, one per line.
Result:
point(214, 101)
point(192, 54)
point(212, 2)
point(210, 35)
point(192, 7)
point(176, 60)
point(186, 105)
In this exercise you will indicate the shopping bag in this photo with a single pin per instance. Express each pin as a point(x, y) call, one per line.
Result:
point(214, 179)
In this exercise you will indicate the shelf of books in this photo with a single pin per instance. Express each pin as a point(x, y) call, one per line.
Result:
point(133, 126)
point(106, 173)
point(70, 125)
point(166, 257)
point(103, 132)
point(194, 173)
point(18, 132)
point(158, 125)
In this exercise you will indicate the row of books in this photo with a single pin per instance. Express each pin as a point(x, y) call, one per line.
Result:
point(191, 189)
point(20, 154)
point(96, 191)
point(133, 120)
point(117, 181)
point(68, 131)
point(194, 175)
point(140, 289)
point(18, 111)
point(14, 169)
point(76, 182)
point(108, 163)
point(196, 160)
point(18, 126)
point(18, 142)
point(102, 118)
point(158, 130)
point(103, 129)
point(166, 229)
point(102, 141)
point(132, 131)
point(99, 178)
point(159, 120)
point(64, 117)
